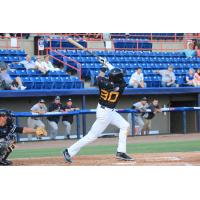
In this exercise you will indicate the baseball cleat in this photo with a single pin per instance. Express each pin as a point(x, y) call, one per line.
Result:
point(5, 162)
point(123, 156)
point(67, 157)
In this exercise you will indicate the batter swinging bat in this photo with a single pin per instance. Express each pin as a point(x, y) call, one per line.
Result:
point(83, 48)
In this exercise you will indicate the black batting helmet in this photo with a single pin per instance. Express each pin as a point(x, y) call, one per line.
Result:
point(116, 75)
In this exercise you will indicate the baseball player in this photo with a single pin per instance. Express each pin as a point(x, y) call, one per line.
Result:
point(8, 134)
point(111, 90)
point(55, 106)
point(33, 122)
point(68, 119)
point(141, 106)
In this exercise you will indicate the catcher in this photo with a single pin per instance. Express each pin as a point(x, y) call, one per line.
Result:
point(8, 134)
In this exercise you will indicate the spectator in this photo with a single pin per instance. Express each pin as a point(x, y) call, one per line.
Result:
point(28, 63)
point(40, 67)
point(189, 52)
point(197, 78)
point(197, 51)
point(55, 106)
point(7, 83)
point(48, 65)
point(137, 79)
point(168, 77)
point(34, 122)
point(148, 116)
point(141, 106)
point(68, 119)
point(190, 77)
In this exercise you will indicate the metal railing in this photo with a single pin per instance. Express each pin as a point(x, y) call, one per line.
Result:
point(77, 113)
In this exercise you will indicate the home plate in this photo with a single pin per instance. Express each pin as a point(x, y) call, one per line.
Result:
point(168, 158)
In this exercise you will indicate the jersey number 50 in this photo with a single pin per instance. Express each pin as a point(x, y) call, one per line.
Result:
point(109, 96)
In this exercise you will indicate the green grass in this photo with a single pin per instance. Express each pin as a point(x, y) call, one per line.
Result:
point(154, 147)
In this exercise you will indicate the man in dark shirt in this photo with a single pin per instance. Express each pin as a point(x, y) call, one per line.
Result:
point(110, 90)
point(148, 116)
point(55, 106)
point(68, 119)
point(8, 134)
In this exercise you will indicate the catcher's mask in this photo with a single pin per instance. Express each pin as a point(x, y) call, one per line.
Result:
point(8, 114)
point(116, 75)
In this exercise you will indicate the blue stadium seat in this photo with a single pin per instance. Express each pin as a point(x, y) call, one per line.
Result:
point(20, 72)
point(38, 84)
point(27, 82)
point(67, 83)
point(57, 82)
point(47, 82)
point(33, 72)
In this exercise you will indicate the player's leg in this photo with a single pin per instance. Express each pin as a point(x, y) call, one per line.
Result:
point(102, 121)
point(140, 123)
point(31, 124)
point(53, 129)
point(67, 129)
point(124, 127)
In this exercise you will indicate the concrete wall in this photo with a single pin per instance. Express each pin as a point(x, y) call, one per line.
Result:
point(161, 122)
point(27, 44)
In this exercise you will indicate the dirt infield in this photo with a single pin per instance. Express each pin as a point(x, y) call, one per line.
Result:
point(145, 159)
point(156, 159)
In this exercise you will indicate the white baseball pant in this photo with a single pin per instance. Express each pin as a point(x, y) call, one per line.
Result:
point(53, 129)
point(67, 128)
point(104, 117)
point(33, 123)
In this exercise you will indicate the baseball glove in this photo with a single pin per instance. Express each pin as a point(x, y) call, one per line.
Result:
point(40, 131)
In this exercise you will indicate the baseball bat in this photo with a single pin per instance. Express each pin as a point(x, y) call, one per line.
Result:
point(83, 48)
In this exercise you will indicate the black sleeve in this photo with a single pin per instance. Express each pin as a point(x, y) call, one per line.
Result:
point(19, 130)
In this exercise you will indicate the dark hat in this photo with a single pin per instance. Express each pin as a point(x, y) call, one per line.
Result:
point(57, 98)
point(144, 99)
point(69, 100)
point(42, 101)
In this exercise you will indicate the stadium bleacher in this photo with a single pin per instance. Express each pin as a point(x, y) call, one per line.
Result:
point(148, 36)
point(130, 60)
point(34, 79)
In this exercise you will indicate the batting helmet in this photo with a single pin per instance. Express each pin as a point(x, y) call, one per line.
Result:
point(116, 75)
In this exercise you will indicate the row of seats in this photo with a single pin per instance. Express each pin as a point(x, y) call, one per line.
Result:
point(62, 43)
point(132, 44)
point(155, 36)
point(52, 82)
point(10, 59)
point(118, 53)
point(12, 52)
point(135, 59)
point(33, 72)
point(152, 80)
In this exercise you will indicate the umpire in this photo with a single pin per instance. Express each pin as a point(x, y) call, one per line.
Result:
point(8, 134)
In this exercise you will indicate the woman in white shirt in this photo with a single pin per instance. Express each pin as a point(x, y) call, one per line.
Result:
point(39, 66)
point(137, 79)
point(48, 65)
